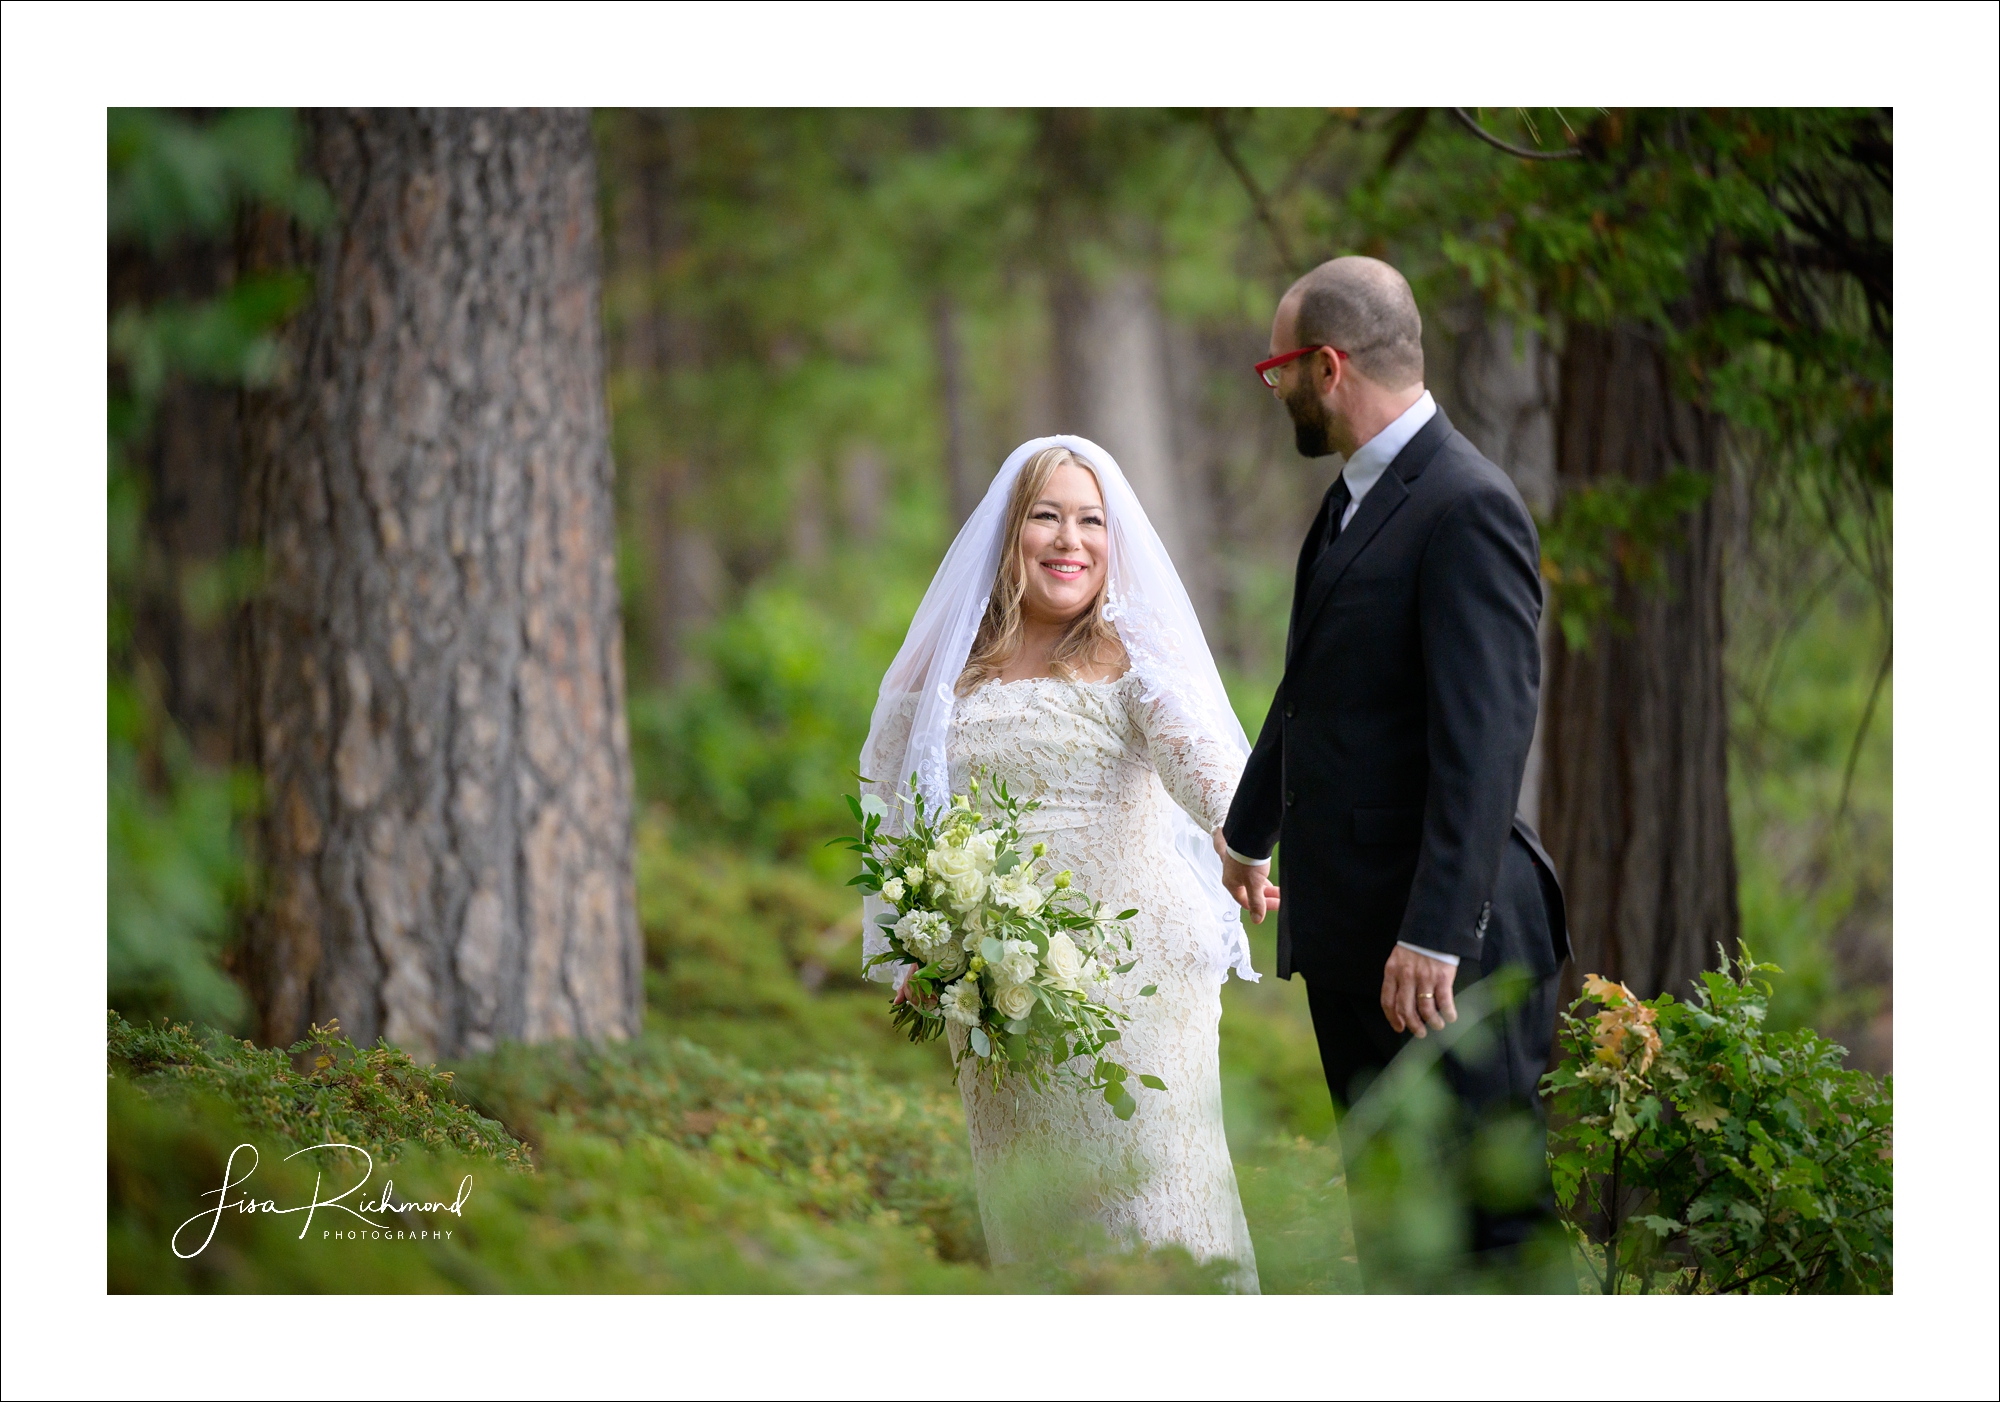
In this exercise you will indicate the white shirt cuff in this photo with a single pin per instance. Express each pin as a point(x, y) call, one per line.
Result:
point(1247, 861)
point(1451, 959)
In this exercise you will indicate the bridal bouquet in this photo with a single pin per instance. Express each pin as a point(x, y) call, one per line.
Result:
point(985, 936)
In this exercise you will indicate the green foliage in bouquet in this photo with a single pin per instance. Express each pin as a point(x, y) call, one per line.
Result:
point(1706, 1154)
point(982, 943)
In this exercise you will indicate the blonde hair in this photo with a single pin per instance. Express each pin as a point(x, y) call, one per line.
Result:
point(1089, 641)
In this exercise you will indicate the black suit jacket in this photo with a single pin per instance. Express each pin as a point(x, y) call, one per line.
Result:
point(1390, 764)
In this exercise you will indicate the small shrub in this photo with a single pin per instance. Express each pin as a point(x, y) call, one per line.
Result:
point(1703, 1153)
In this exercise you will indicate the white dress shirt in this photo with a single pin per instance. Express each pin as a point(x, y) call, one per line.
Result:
point(1364, 469)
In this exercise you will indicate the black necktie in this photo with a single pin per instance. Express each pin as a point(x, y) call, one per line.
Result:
point(1337, 499)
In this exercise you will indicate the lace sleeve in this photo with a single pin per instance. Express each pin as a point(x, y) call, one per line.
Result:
point(1200, 769)
point(887, 751)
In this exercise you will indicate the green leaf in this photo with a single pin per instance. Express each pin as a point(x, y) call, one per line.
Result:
point(1124, 1106)
point(981, 1043)
point(871, 806)
point(1149, 990)
point(1128, 914)
point(1154, 1082)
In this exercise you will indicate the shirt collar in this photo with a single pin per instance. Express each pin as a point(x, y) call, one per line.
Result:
point(1365, 468)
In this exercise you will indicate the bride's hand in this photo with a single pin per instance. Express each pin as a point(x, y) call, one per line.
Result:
point(1246, 884)
point(903, 994)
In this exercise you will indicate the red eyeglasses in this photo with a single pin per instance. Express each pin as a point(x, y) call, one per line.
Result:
point(1267, 370)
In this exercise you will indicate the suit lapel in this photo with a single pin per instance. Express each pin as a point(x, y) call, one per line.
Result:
point(1302, 577)
point(1383, 501)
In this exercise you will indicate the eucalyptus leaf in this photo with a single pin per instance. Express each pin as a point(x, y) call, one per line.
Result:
point(980, 1042)
point(872, 806)
point(1153, 1082)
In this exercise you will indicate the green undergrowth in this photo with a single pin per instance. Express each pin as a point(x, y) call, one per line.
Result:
point(842, 1144)
point(657, 1165)
point(762, 960)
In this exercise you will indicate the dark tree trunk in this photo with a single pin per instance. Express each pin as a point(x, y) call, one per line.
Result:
point(1635, 800)
point(647, 155)
point(967, 476)
point(187, 574)
point(437, 690)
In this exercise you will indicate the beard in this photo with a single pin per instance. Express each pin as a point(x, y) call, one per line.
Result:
point(1312, 429)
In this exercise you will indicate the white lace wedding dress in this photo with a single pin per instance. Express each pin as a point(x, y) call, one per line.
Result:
point(1108, 769)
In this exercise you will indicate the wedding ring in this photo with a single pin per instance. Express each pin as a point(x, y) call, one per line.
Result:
point(1424, 998)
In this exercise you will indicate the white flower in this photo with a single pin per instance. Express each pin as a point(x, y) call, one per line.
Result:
point(1015, 1001)
point(985, 848)
point(924, 933)
point(950, 959)
point(959, 871)
point(1016, 966)
point(892, 890)
point(914, 875)
point(961, 1002)
point(1018, 889)
point(1063, 962)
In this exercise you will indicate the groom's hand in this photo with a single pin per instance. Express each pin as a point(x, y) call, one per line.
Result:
point(1246, 884)
point(1417, 991)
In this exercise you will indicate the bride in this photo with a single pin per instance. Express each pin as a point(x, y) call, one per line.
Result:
point(1057, 650)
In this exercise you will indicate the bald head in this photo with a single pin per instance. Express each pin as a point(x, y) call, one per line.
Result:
point(1364, 307)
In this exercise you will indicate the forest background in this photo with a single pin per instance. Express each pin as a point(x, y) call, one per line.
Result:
point(820, 333)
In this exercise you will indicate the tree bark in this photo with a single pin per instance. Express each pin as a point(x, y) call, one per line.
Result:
point(1498, 383)
point(1635, 797)
point(437, 690)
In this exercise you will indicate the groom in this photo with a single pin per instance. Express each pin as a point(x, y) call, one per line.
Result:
point(1391, 761)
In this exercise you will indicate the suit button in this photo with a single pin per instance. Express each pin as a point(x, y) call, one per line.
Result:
point(1290, 798)
point(1290, 710)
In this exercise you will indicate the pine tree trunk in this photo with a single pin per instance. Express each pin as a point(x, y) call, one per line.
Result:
point(1634, 799)
point(437, 689)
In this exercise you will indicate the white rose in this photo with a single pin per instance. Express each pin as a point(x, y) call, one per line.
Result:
point(958, 869)
point(984, 848)
point(961, 1003)
point(892, 890)
point(1018, 889)
point(914, 875)
point(1063, 962)
point(1015, 1001)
